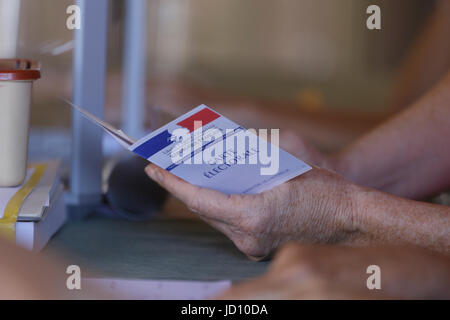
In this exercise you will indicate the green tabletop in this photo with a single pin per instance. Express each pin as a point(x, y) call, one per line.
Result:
point(163, 248)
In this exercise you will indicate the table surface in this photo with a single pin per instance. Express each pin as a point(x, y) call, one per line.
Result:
point(162, 248)
point(169, 247)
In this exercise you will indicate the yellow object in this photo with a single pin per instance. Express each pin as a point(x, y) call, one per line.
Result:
point(8, 222)
point(310, 99)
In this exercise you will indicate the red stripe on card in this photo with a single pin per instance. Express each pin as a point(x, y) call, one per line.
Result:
point(205, 116)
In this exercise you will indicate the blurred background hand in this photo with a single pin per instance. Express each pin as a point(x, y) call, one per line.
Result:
point(326, 272)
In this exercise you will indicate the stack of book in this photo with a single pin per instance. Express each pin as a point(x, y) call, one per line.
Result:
point(33, 212)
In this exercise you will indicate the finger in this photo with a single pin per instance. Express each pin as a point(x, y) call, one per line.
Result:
point(207, 202)
point(178, 187)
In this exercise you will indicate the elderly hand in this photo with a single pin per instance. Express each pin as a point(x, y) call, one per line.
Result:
point(336, 272)
point(316, 207)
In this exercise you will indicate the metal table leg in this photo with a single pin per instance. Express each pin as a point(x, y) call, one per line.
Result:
point(135, 52)
point(89, 70)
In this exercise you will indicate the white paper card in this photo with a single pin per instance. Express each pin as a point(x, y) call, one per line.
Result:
point(228, 176)
point(237, 168)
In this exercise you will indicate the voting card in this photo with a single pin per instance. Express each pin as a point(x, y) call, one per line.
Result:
point(117, 134)
point(208, 150)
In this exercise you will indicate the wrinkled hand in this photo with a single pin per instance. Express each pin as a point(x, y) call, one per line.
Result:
point(337, 272)
point(315, 207)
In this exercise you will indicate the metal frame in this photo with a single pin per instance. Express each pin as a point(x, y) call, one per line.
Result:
point(89, 72)
point(134, 65)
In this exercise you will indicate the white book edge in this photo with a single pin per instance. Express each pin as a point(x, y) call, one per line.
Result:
point(34, 236)
point(40, 198)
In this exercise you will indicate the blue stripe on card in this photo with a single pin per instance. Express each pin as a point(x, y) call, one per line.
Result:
point(154, 145)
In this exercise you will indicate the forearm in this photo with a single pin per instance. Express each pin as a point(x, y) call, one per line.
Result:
point(427, 61)
point(381, 218)
point(408, 155)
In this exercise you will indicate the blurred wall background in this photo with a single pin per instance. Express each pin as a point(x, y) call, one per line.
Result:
point(266, 49)
point(274, 49)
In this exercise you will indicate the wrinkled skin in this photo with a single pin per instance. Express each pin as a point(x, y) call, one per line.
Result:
point(318, 207)
point(312, 208)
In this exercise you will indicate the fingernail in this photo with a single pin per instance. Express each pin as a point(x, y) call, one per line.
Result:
point(149, 170)
point(157, 175)
point(153, 173)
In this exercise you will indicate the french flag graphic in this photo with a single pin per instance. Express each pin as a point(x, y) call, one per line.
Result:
point(162, 140)
point(205, 116)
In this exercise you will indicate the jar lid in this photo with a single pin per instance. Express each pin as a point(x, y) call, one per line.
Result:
point(19, 69)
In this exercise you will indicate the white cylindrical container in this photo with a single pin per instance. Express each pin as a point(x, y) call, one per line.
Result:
point(16, 81)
